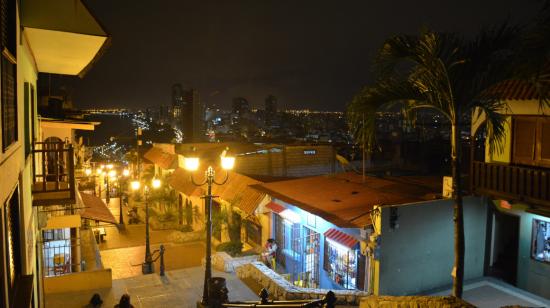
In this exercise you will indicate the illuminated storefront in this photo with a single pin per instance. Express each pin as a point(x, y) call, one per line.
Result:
point(312, 252)
point(340, 259)
point(540, 240)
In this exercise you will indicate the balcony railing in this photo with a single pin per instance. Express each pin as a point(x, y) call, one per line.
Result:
point(528, 184)
point(53, 174)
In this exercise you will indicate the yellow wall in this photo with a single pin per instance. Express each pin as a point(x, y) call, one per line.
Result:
point(514, 107)
point(504, 156)
point(78, 281)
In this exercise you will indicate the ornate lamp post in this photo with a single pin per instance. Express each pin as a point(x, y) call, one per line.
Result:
point(99, 172)
point(147, 266)
point(192, 164)
point(110, 174)
point(125, 174)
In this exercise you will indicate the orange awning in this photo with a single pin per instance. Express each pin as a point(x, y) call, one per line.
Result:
point(96, 209)
point(275, 207)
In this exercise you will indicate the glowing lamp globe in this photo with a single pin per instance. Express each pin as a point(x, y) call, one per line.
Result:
point(156, 183)
point(191, 163)
point(135, 185)
point(112, 173)
point(228, 162)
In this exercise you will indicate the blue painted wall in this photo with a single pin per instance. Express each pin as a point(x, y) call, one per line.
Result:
point(418, 255)
point(321, 226)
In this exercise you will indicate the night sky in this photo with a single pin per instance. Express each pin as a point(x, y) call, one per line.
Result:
point(310, 54)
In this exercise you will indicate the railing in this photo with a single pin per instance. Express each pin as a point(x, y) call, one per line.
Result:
point(529, 184)
point(53, 173)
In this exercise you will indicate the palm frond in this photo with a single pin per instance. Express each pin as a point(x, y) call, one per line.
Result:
point(495, 122)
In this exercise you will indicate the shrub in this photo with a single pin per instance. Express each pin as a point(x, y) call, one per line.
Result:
point(232, 248)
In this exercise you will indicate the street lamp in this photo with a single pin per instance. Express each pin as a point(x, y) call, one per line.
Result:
point(192, 164)
point(110, 176)
point(147, 266)
point(125, 174)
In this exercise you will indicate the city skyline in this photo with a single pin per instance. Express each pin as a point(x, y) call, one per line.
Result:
point(314, 56)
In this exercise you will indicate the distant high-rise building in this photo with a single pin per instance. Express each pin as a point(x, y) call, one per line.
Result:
point(270, 109)
point(188, 112)
point(240, 106)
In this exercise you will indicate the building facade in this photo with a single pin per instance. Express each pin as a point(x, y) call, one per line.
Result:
point(45, 37)
point(517, 182)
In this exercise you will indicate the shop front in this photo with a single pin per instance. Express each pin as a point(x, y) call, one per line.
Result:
point(313, 253)
point(341, 260)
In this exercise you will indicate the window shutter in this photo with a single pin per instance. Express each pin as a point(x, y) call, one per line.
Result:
point(544, 142)
point(524, 141)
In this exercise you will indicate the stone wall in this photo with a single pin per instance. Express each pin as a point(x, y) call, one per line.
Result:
point(281, 289)
point(413, 302)
point(225, 263)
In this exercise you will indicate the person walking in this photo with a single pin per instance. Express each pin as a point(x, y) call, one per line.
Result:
point(124, 302)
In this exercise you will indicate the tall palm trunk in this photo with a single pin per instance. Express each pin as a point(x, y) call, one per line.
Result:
point(458, 269)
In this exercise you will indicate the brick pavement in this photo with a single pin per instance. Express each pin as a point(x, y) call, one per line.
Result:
point(179, 288)
point(126, 262)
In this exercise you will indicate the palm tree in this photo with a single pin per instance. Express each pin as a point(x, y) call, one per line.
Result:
point(454, 76)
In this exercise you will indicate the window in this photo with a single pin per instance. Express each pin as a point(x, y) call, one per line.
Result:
point(9, 104)
point(540, 241)
point(8, 70)
point(12, 242)
point(341, 264)
point(57, 251)
point(531, 143)
point(27, 119)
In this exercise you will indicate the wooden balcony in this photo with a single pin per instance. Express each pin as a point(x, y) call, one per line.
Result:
point(53, 174)
point(520, 183)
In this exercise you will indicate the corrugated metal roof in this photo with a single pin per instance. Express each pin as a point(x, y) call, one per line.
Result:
point(341, 237)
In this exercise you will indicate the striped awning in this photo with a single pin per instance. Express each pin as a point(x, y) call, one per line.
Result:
point(275, 207)
point(341, 238)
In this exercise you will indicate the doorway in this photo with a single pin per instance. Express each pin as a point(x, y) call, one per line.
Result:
point(504, 248)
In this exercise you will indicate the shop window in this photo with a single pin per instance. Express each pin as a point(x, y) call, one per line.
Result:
point(540, 241)
point(292, 235)
point(341, 264)
point(310, 262)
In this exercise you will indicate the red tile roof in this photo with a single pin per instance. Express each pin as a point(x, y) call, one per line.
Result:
point(162, 159)
point(341, 237)
point(344, 200)
point(513, 90)
point(236, 188)
point(96, 209)
point(180, 181)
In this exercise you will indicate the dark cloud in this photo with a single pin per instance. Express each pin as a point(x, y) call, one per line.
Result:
point(313, 54)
